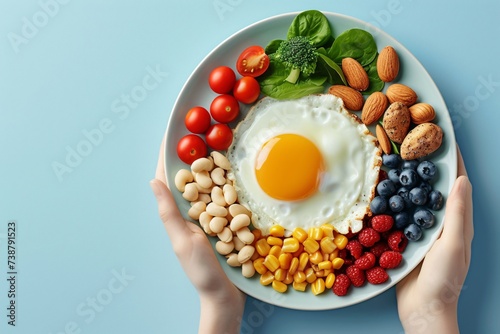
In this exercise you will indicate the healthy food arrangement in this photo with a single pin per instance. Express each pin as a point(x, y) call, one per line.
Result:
point(299, 191)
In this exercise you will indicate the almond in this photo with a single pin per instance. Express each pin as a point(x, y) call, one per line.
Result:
point(353, 100)
point(422, 140)
point(397, 122)
point(401, 93)
point(374, 108)
point(355, 74)
point(422, 113)
point(384, 141)
point(388, 64)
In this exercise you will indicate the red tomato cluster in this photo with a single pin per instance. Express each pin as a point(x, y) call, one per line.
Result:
point(225, 107)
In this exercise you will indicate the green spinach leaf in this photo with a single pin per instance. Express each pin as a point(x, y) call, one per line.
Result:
point(376, 84)
point(311, 24)
point(354, 43)
point(330, 69)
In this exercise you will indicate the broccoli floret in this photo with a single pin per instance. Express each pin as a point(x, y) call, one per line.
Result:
point(299, 55)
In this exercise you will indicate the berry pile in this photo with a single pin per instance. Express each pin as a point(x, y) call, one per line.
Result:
point(368, 255)
point(405, 193)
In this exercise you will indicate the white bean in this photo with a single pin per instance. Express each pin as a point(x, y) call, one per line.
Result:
point(236, 209)
point(216, 210)
point(225, 235)
point(247, 269)
point(238, 244)
point(202, 164)
point(220, 160)
point(190, 192)
point(205, 198)
point(246, 253)
point(218, 176)
point(218, 196)
point(239, 221)
point(205, 218)
point(182, 177)
point(195, 211)
point(232, 260)
point(217, 224)
point(245, 235)
point(203, 179)
point(230, 194)
point(203, 190)
point(224, 248)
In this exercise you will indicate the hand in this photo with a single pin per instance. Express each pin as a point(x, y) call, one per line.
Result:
point(428, 296)
point(222, 303)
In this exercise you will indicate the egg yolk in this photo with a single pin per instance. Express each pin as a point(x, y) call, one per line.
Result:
point(289, 167)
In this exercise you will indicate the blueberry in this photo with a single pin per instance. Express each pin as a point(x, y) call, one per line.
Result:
point(418, 196)
point(405, 194)
point(410, 164)
point(393, 175)
point(435, 200)
point(413, 232)
point(386, 188)
point(396, 203)
point(408, 178)
point(378, 205)
point(391, 160)
point(427, 170)
point(401, 219)
point(426, 187)
point(423, 217)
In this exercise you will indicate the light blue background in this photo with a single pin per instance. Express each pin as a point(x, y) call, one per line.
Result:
point(77, 234)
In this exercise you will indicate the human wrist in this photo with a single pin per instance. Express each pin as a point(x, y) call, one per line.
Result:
point(432, 319)
point(221, 314)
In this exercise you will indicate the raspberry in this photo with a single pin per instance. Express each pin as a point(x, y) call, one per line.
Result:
point(376, 275)
point(397, 241)
point(341, 285)
point(368, 237)
point(356, 275)
point(390, 259)
point(379, 248)
point(366, 261)
point(382, 223)
point(355, 247)
point(382, 175)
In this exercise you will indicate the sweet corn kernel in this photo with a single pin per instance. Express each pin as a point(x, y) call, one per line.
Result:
point(318, 286)
point(259, 266)
point(257, 234)
point(310, 275)
point(334, 254)
point(285, 260)
point(280, 286)
point(327, 230)
point(303, 261)
point(316, 257)
point(299, 234)
point(275, 250)
point(274, 241)
point(290, 245)
point(340, 240)
point(310, 245)
point(315, 233)
point(280, 274)
point(300, 286)
point(277, 231)
point(293, 265)
point(271, 262)
point(262, 247)
point(288, 279)
point(299, 277)
point(299, 251)
point(327, 245)
point(325, 265)
point(330, 279)
point(337, 263)
point(267, 278)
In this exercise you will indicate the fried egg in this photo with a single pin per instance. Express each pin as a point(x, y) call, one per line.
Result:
point(303, 163)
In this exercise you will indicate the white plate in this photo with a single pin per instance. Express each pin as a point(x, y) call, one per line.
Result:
point(197, 92)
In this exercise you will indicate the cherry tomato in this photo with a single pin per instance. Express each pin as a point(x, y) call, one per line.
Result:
point(197, 120)
point(246, 90)
point(224, 108)
point(253, 61)
point(219, 136)
point(222, 79)
point(190, 148)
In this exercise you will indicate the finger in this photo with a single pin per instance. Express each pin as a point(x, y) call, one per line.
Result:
point(174, 223)
point(160, 166)
point(457, 215)
point(460, 163)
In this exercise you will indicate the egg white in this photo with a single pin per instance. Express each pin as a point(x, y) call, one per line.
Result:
point(350, 152)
